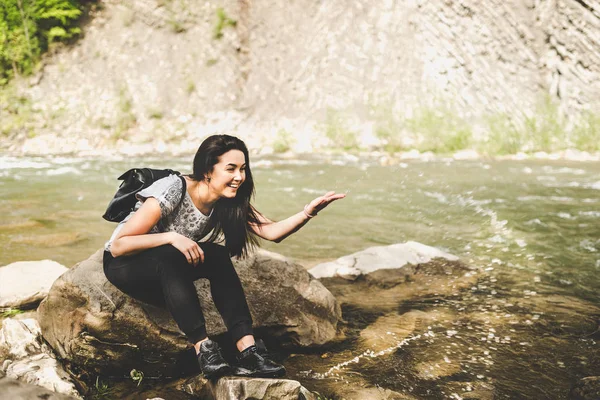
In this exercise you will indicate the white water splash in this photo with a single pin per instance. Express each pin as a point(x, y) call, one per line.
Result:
point(368, 353)
point(545, 198)
point(563, 170)
point(63, 171)
point(594, 214)
point(16, 163)
point(498, 226)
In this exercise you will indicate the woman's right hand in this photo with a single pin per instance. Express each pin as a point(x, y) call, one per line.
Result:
point(190, 249)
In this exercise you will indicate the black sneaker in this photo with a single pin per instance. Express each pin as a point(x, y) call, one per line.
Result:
point(255, 362)
point(212, 363)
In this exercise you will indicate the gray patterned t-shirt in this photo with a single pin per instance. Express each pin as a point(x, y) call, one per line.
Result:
point(186, 220)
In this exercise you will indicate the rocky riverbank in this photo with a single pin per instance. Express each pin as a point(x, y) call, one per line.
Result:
point(88, 350)
point(150, 76)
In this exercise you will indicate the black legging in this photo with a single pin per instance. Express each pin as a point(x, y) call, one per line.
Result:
point(162, 276)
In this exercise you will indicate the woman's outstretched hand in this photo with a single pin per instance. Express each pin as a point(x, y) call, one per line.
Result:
point(321, 202)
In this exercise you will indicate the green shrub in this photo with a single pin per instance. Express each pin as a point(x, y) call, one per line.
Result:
point(388, 126)
point(16, 113)
point(283, 141)
point(439, 130)
point(586, 133)
point(337, 131)
point(503, 136)
point(546, 130)
point(29, 27)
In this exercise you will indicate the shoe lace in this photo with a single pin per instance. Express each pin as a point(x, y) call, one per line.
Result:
point(213, 355)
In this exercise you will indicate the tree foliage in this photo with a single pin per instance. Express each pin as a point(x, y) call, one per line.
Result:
point(29, 27)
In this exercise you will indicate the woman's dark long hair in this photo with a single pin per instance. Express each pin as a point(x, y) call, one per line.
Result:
point(231, 217)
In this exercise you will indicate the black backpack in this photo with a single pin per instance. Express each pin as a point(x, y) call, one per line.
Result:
point(135, 180)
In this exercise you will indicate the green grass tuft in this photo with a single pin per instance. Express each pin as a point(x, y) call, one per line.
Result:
point(10, 312)
point(223, 21)
point(101, 390)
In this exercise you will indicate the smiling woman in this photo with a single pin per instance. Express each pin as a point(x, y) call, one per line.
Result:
point(158, 251)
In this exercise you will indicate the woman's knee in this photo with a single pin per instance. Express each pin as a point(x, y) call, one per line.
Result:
point(215, 254)
point(167, 254)
point(218, 260)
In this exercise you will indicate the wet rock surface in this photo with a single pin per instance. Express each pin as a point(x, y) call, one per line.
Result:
point(387, 288)
point(385, 311)
point(17, 390)
point(443, 329)
point(93, 326)
point(586, 389)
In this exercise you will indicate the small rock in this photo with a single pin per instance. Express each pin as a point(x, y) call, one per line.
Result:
point(51, 239)
point(466, 155)
point(432, 371)
point(387, 331)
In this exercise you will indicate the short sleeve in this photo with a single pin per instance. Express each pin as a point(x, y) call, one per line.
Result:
point(167, 191)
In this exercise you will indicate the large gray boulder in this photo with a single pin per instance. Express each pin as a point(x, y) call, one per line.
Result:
point(95, 327)
point(24, 284)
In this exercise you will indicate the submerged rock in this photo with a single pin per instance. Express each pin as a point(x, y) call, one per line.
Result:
point(377, 258)
point(431, 371)
point(91, 323)
point(586, 389)
point(388, 330)
point(51, 239)
point(17, 390)
point(247, 388)
point(385, 289)
point(24, 284)
point(27, 358)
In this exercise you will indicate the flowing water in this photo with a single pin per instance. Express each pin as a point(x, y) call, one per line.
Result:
point(522, 324)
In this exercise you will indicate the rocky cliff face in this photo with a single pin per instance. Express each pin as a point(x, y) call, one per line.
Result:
point(152, 71)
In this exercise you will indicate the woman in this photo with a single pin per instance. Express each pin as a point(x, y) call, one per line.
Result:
point(155, 254)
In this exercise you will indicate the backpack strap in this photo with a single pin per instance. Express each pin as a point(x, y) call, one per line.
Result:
point(183, 189)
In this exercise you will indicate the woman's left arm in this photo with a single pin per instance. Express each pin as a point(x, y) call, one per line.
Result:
point(277, 231)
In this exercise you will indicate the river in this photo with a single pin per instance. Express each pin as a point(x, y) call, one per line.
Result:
point(531, 228)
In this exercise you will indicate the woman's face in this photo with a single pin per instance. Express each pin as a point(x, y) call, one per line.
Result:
point(228, 174)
